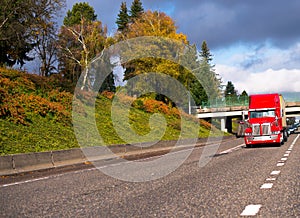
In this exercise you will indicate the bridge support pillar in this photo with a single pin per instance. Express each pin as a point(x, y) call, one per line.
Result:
point(223, 124)
point(226, 124)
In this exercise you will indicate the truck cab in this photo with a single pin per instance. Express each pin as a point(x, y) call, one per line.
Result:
point(266, 120)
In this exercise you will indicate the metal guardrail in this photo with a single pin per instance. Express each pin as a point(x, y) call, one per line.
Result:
point(225, 102)
point(232, 102)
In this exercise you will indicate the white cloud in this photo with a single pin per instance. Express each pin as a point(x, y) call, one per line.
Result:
point(261, 82)
point(260, 68)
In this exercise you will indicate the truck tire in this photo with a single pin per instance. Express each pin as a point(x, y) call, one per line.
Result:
point(248, 146)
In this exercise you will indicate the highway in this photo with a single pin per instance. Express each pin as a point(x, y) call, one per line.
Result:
point(238, 181)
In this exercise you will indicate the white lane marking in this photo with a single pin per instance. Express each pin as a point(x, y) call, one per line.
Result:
point(251, 210)
point(26, 181)
point(266, 186)
point(232, 149)
point(275, 172)
point(45, 178)
point(280, 164)
point(286, 155)
point(84, 170)
point(77, 171)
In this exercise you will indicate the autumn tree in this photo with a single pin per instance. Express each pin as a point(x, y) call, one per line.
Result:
point(81, 39)
point(202, 81)
point(161, 52)
point(20, 24)
point(153, 24)
point(47, 36)
point(46, 50)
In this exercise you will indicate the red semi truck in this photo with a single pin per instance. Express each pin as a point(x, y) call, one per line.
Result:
point(266, 120)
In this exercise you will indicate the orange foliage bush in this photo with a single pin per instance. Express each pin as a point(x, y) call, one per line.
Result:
point(22, 94)
point(108, 94)
point(153, 106)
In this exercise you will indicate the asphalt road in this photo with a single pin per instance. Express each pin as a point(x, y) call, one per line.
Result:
point(261, 181)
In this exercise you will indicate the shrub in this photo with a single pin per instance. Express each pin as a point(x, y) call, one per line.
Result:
point(22, 95)
point(108, 94)
point(153, 106)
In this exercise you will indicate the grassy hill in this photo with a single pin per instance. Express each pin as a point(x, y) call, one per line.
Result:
point(36, 115)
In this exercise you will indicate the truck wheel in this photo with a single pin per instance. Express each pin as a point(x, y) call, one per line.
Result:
point(248, 146)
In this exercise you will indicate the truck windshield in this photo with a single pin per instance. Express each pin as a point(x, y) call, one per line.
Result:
point(258, 114)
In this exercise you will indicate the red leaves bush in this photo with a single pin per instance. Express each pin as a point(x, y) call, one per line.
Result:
point(21, 98)
point(154, 106)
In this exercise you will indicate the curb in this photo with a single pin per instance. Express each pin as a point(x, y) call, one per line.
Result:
point(21, 163)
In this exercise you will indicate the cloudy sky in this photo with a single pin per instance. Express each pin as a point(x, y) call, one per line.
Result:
point(255, 43)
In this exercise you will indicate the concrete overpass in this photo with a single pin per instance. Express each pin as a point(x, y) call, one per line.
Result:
point(226, 114)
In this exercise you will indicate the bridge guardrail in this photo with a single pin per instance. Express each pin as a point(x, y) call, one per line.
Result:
point(225, 102)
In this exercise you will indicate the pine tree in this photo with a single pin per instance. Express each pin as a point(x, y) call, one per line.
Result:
point(243, 98)
point(244, 93)
point(136, 9)
point(209, 78)
point(230, 90)
point(231, 95)
point(79, 11)
point(205, 53)
point(123, 17)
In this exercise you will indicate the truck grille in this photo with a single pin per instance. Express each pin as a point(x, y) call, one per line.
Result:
point(266, 129)
point(255, 129)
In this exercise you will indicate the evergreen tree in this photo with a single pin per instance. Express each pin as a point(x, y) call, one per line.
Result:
point(230, 93)
point(244, 93)
point(206, 74)
point(136, 9)
point(205, 53)
point(244, 97)
point(79, 11)
point(123, 17)
point(230, 90)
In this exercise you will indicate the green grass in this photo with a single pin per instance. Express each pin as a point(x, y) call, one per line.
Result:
point(40, 135)
point(44, 112)
point(44, 134)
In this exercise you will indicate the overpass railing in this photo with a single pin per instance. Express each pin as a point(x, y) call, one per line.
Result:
point(225, 102)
